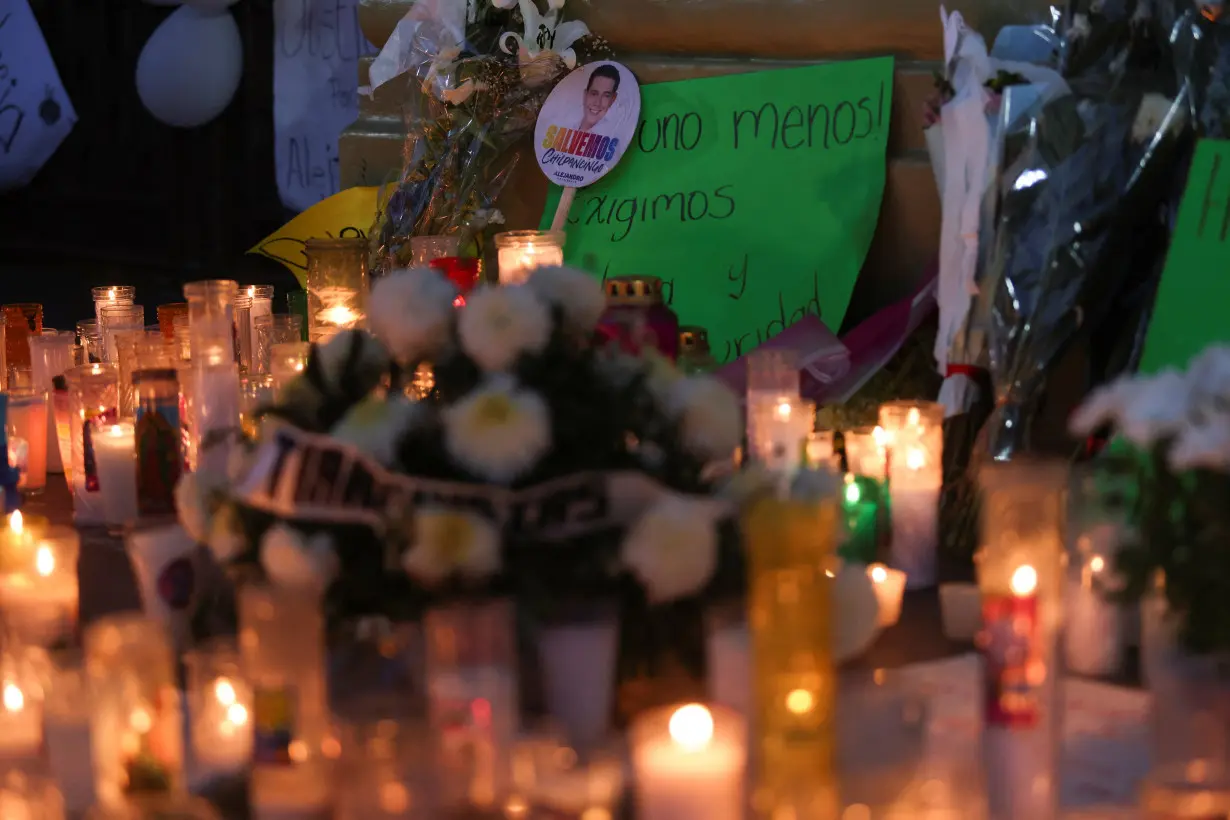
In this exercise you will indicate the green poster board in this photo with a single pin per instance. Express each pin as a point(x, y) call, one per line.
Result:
point(1193, 299)
point(754, 197)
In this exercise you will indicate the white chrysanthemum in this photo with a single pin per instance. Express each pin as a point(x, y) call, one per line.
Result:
point(411, 311)
point(578, 294)
point(375, 425)
point(226, 535)
point(1209, 376)
point(452, 542)
point(750, 483)
point(1143, 409)
point(338, 359)
point(661, 375)
point(672, 548)
point(1202, 446)
point(499, 324)
point(291, 560)
point(616, 367)
point(710, 420)
point(498, 431)
point(191, 505)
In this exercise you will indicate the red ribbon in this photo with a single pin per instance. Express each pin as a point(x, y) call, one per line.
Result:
point(970, 370)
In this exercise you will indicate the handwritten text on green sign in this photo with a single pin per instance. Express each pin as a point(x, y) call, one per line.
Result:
point(754, 197)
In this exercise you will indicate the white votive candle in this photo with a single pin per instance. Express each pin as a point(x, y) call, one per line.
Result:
point(115, 461)
point(520, 252)
point(40, 606)
point(21, 722)
point(1093, 627)
point(222, 731)
point(689, 763)
point(960, 611)
point(66, 739)
point(915, 517)
point(889, 585)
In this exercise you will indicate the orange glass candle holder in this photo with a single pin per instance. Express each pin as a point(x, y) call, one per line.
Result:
point(21, 320)
point(166, 318)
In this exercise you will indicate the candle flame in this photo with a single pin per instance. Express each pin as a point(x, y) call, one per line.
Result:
point(14, 700)
point(224, 691)
point(251, 290)
point(800, 701)
point(783, 409)
point(880, 436)
point(15, 523)
point(1097, 563)
point(236, 714)
point(141, 721)
point(1024, 581)
point(915, 458)
point(44, 561)
point(339, 315)
point(913, 417)
point(691, 727)
point(116, 430)
point(111, 294)
point(878, 573)
point(853, 493)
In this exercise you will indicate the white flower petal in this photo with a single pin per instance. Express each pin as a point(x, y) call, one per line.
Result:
point(1101, 406)
point(498, 431)
point(1202, 446)
point(376, 425)
point(290, 560)
point(578, 294)
point(499, 324)
point(335, 357)
point(452, 542)
point(190, 505)
point(226, 536)
point(710, 419)
point(672, 548)
point(411, 311)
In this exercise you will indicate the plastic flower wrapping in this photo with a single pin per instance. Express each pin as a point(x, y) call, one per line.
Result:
point(476, 73)
point(539, 463)
point(1168, 469)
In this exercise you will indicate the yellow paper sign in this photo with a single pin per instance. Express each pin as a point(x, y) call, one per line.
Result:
point(347, 213)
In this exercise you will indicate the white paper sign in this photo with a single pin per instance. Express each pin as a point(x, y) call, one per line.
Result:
point(317, 46)
point(35, 114)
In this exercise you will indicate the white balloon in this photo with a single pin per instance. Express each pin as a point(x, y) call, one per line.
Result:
point(189, 70)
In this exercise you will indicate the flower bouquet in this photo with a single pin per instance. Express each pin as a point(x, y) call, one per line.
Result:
point(481, 70)
point(539, 466)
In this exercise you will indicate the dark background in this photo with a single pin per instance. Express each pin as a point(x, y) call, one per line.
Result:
point(128, 200)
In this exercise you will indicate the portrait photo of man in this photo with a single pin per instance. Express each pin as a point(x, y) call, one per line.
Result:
point(601, 92)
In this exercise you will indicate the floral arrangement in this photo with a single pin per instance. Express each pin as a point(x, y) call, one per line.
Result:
point(483, 69)
point(1171, 465)
point(523, 398)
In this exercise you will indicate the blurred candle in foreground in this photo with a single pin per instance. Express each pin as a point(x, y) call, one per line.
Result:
point(520, 252)
point(889, 585)
point(689, 763)
point(914, 434)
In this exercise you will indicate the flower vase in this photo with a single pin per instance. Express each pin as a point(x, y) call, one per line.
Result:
point(577, 650)
point(1189, 774)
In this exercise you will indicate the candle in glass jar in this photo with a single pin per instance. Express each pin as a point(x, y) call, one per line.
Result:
point(28, 420)
point(866, 454)
point(520, 252)
point(915, 438)
point(689, 764)
point(19, 458)
point(262, 304)
point(889, 585)
point(39, 602)
point(115, 464)
point(21, 718)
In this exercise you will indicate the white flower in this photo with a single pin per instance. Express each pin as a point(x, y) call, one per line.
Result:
point(546, 39)
point(1080, 28)
point(1143, 409)
point(710, 419)
point(575, 292)
point(498, 324)
point(448, 542)
point(353, 355)
point(616, 367)
point(1209, 375)
point(1151, 116)
point(226, 535)
point(483, 217)
point(377, 424)
point(1202, 445)
point(191, 507)
point(672, 548)
point(411, 311)
point(661, 375)
point(750, 483)
point(290, 560)
point(498, 431)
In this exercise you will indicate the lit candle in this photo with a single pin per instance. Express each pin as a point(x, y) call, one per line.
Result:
point(1093, 632)
point(866, 454)
point(39, 602)
point(689, 764)
point(115, 464)
point(17, 539)
point(520, 252)
point(21, 718)
point(913, 432)
point(19, 459)
point(262, 304)
point(66, 738)
point(889, 585)
point(960, 611)
point(28, 421)
point(339, 311)
point(221, 726)
point(1019, 575)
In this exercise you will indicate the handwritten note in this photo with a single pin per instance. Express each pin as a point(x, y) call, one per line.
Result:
point(1190, 311)
point(351, 212)
point(35, 113)
point(317, 46)
point(754, 197)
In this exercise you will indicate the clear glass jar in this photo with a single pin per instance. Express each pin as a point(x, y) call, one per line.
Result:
point(914, 437)
point(93, 405)
point(337, 285)
point(187, 411)
point(522, 251)
point(66, 732)
point(211, 319)
point(219, 708)
point(89, 337)
point(26, 796)
point(243, 332)
point(382, 769)
point(255, 394)
point(116, 318)
point(159, 437)
point(286, 361)
point(297, 305)
point(39, 595)
point(137, 725)
point(129, 346)
point(22, 320)
point(274, 329)
point(425, 249)
point(51, 353)
point(472, 700)
point(1020, 577)
point(112, 295)
point(262, 304)
point(281, 638)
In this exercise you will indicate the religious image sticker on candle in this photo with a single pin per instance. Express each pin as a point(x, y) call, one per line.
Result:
point(587, 123)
